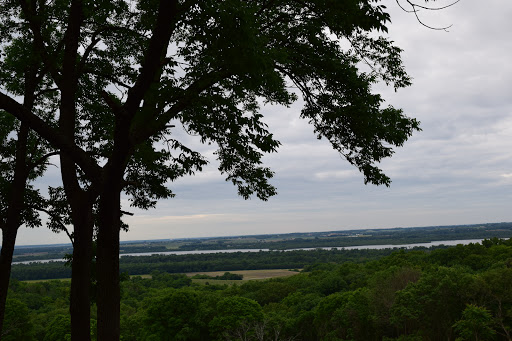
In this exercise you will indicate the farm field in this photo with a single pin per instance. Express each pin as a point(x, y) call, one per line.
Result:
point(249, 275)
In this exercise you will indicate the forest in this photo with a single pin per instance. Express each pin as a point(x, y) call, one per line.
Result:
point(453, 293)
point(141, 265)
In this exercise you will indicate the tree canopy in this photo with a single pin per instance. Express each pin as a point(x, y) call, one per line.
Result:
point(118, 78)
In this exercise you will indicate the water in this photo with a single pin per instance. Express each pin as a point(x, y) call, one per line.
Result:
point(358, 247)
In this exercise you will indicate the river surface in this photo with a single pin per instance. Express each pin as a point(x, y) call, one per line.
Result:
point(358, 247)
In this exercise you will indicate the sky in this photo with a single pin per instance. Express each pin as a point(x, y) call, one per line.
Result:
point(457, 170)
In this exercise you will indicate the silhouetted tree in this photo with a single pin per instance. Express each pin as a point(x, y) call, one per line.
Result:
point(126, 75)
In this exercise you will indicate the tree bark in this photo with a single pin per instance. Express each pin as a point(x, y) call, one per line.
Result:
point(79, 200)
point(8, 241)
point(80, 307)
point(81, 203)
point(107, 264)
point(13, 218)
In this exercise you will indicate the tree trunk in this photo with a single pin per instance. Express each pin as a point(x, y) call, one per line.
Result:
point(8, 241)
point(79, 200)
point(81, 204)
point(80, 307)
point(107, 264)
point(13, 218)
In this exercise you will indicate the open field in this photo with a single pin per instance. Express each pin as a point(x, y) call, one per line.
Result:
point(249, 275)
point(47, 280)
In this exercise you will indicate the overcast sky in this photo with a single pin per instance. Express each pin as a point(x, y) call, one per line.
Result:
point(458, 170)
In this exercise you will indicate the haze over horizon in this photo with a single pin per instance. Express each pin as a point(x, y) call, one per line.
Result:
point(457, 171)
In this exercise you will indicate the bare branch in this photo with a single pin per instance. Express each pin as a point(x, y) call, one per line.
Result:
point(42, 159)
point(416, 7)
point(433, 8)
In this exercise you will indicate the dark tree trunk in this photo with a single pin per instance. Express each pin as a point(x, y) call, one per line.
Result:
point(80, 308)
point(109, 226)
point(81, 204)
point(13, 218)
point(107, 265)
point(79, 200)
point(8, 241)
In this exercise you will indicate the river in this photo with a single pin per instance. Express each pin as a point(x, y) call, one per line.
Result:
point(358, 247)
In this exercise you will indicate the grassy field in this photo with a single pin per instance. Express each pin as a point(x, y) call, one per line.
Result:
point(47, 280)
point(249, 275)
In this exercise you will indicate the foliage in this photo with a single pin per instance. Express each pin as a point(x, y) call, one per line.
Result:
point(172, 316)
point(404, 296)
point(475, 324)
point(16, 325)
point(234, 317)
point(58, 329)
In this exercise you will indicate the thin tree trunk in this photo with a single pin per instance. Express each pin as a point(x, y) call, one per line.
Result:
point(13, 218)
point(8, 241)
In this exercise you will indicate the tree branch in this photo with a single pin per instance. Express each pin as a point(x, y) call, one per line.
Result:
point(42, 159)
point(141, 133)
point(29, 11)
point(53, 136)
point(57, 219)
point(165, 24)
point(415, 9)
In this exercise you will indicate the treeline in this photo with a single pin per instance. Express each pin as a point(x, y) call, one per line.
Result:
point(59, 252)
point(395, 236)
point(141, 265)
point(457, 293)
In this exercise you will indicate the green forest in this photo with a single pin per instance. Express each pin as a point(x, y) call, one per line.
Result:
point(452, 293)
point(141, 265)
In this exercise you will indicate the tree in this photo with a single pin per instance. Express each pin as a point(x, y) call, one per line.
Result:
point(496, 291)
point(17, 326)
point(172, 316)
point(58, 329)
point(126, 75)
point(235, 318)
point(475, 324)
point(23, 155)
